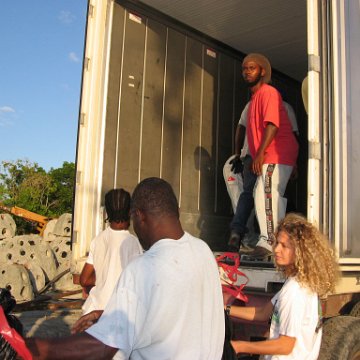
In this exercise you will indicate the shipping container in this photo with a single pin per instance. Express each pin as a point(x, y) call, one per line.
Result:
point(162, 94)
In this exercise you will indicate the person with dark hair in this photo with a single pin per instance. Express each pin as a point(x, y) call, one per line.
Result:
point(110, 252)
point(241, 163)
point(273, 148)
point(168, 302)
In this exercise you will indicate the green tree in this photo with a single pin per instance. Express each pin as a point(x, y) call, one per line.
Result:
point(29, 186)
point(26, 185)
point(12, 177)
point(64, 182)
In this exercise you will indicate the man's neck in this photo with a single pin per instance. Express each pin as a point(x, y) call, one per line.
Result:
point(256, 87)
point(167, 230)
point(122, 225)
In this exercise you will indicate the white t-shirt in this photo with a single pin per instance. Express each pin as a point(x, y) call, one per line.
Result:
point(243, 121)
point(296, 314)
point(110, 252)
point(167, 304)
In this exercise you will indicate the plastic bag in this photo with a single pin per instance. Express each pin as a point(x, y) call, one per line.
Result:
point(229, 263)
point(11, 342)
point(233, 182)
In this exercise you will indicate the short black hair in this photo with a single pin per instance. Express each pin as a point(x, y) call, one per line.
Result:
point(155, 196)
point(117, 205)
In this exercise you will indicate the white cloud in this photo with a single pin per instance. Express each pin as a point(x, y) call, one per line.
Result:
point(66, 17)
point(6, 109)
point(73, 57)
point(7, 116)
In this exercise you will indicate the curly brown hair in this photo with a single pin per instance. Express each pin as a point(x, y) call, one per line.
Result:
point(315, 264)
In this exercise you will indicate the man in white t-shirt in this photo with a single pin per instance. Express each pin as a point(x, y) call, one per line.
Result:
point(168, 302)
point(110, 252)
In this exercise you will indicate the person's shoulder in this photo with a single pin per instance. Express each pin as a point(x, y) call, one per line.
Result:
point(292, 288)
point(246, 108)
point(136, 262)
point(100, 235)
point(132, 241)
point(197, 243)
point(187, 236)
point(268, 88)
point(129, 235)
point(287, 105)
point(266, 91)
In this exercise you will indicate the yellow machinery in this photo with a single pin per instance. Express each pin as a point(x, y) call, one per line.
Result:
point(28, 215)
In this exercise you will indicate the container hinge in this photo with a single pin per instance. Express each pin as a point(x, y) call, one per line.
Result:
point(78, 177)
point(91, 10)
point(314, 150)
point(82, 118)
point(314, 63)
point(87, 63)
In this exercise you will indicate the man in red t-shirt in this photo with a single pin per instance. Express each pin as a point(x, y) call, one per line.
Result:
point(273, 148)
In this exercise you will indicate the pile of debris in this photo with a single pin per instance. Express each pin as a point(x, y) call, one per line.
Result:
point(31, 265)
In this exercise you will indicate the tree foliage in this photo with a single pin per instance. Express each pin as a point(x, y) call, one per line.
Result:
point(29, 186)
point(64, 182)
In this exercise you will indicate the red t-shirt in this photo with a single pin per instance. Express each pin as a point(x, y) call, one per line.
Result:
point(266, 107)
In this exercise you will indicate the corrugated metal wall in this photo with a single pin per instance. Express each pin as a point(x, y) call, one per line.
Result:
point(172, 106)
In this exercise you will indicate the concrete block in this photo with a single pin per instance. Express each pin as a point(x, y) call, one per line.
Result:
point(17, 279)
point(37, 276)
point(49, 229)
point(66, 283)
point(62, 249)
point(5, 256)
point(31, 248)
point(63, 226)
point(7, 226)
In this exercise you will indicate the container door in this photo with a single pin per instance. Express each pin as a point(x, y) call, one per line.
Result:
point(333, 108)
point(313, 99)
point(345, 127)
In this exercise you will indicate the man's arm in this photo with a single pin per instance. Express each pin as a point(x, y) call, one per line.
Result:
point(75, 347)
point(236, 163)
point(283, 345)
point(86, 321)
point(87, 276)
point(270, 132)
point(239, 138)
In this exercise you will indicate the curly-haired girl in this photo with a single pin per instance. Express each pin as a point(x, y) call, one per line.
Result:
point(308, 263)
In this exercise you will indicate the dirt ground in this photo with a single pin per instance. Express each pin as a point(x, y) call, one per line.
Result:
point(50, 319)
point(48, 323)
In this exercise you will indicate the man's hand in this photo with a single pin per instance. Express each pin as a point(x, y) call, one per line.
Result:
point(236, 165)
point(269, 135)
point(258, 163)
point(86, 321)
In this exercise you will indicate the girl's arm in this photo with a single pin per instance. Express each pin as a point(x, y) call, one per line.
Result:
point(283, 345)
point(252, 313)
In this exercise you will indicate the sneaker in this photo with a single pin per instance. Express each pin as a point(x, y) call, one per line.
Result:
point(234, 242)
point(245, 249)
point(260, 253)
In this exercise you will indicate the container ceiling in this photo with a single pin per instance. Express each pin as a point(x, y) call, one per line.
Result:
point(275, 28)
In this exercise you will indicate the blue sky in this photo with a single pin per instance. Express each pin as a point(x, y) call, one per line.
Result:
point(42, 43)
